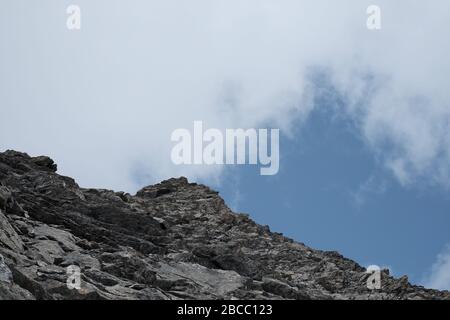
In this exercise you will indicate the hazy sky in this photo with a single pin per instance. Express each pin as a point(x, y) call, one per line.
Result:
point(103, 101)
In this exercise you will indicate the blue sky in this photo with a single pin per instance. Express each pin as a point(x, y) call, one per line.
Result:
point(312, 200)
point(364, 115)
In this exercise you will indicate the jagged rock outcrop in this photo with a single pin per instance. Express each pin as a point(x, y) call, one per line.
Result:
point(173, 240)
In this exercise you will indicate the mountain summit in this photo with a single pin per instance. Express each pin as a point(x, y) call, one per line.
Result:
point(172, 240)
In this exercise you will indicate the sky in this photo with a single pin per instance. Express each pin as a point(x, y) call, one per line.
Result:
point(363, 114)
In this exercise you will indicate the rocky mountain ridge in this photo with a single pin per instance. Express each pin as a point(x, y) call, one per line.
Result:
point(172, 240)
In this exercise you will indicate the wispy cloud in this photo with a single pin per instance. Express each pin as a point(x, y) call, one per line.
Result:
point(439, 277)
point(374, 185)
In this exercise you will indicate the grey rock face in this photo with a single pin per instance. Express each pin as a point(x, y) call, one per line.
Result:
point(173, 240)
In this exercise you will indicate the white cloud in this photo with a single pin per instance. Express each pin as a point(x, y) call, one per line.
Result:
point(103, 100)
point(439, 277)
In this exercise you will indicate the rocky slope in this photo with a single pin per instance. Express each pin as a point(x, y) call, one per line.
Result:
point(173, 240)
